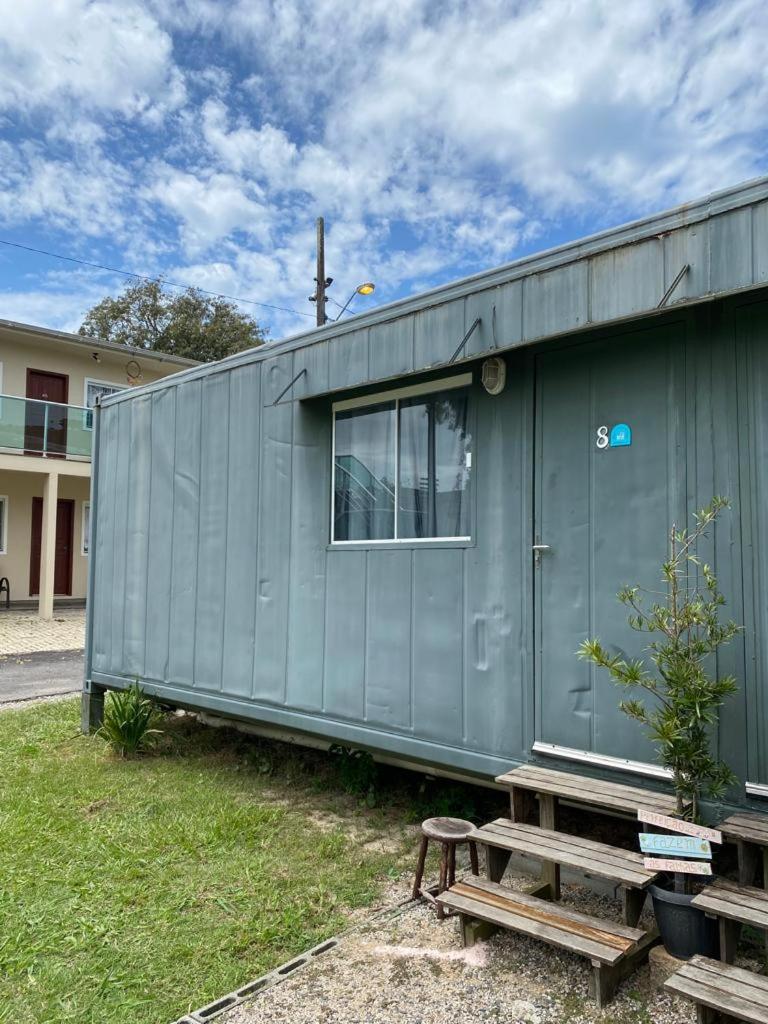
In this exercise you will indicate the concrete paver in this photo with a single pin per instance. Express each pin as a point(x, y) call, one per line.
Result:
point(22, 632)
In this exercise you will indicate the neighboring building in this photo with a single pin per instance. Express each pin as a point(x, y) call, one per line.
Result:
point(48, 383)
point(365, 534)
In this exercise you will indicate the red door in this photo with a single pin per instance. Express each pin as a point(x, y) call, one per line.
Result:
point(65, 528)
point(46, 387)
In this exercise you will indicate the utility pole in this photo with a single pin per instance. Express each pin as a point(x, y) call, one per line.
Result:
point(321, 280)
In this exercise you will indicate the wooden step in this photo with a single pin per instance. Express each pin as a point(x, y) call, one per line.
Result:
point(559, 926)
point(751, 828)
point(614, 950)
point(723, 988)
point(582, 789)
point(597, 859)
point(743, 903)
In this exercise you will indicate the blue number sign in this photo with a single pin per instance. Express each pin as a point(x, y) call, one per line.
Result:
point(621, 436)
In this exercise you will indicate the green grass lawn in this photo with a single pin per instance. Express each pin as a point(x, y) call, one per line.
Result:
point(133, 891)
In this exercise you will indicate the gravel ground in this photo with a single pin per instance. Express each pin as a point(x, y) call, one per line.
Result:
point(411, 969)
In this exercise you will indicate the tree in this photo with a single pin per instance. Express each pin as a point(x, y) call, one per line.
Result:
point(685, 633)
point(190, 324)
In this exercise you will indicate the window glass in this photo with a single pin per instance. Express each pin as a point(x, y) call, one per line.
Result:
point(402, 469)
point(434, 445)
point(364, 487)
point(93, 390)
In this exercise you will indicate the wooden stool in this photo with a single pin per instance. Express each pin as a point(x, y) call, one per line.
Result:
point(449, 832)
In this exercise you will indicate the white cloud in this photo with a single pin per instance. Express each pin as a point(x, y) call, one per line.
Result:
point(209, 205)
point(436, 139)
point(98, 55)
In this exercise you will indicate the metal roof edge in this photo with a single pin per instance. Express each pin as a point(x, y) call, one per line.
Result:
point(732, 198)
point(86, 341)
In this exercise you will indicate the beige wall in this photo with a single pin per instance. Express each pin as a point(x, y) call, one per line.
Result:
point(20, 488)
point(19, 352)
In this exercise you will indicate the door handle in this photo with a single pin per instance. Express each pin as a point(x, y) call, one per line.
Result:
point(538, 551)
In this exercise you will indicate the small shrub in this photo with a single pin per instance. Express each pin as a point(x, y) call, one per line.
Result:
point(129, 723)
point(357, 772)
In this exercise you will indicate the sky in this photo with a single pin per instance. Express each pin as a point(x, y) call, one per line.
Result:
point(200, 139)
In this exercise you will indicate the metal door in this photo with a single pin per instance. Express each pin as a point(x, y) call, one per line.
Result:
point(610, 479)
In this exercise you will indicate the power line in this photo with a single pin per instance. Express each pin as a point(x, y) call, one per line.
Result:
point(143, 277)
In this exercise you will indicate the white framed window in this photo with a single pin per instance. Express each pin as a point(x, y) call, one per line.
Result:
point(402, 464)
point(85, 545)
point(3, 524)
point(97, 389)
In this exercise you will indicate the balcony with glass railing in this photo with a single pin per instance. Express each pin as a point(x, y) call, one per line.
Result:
point(30, 426)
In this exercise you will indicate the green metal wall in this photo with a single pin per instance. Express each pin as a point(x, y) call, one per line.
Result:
point(214, 582)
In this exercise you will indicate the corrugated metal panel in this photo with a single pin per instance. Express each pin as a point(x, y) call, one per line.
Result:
point(161, 531)
point(345, 614)
point(438, 644)
point(211, 551)
point(274, 546)
point(242, 530)
point(391, 348)
point(556, 302)
point(187, 456)
point(348, 361)
point(389, 640)
point(437, 332)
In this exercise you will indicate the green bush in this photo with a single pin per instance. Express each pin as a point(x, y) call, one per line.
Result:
point(130, 717)
point(685, 633)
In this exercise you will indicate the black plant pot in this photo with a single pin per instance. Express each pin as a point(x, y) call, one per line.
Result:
point(685, 930)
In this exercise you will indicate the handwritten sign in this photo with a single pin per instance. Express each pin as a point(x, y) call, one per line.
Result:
point(677, 825)
point(675, 846)
point(685, 867)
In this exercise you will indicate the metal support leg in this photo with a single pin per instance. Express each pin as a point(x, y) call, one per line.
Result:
point(92, 708)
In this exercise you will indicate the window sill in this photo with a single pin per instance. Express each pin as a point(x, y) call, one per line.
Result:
point(407, 543)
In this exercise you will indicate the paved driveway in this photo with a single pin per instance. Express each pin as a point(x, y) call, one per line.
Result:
point(22, 632)
point(43, 674)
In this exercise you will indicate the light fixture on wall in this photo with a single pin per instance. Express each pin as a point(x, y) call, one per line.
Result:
point(96, 357)
point(366, 288)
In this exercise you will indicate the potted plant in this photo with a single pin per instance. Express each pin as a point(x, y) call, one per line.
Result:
point(684, 697)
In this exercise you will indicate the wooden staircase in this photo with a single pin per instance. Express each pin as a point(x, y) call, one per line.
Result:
point(613, 950)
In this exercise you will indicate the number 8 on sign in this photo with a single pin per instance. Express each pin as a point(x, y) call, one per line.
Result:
point(602, 437)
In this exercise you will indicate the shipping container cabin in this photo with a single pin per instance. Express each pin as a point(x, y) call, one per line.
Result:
point(394, 531)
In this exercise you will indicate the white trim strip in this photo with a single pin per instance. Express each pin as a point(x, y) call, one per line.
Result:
point(401, 540)
point(460, 380)
point(621, 764)
point(756, 789)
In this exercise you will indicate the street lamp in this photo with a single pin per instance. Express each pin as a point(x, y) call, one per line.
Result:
point(366, 288)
